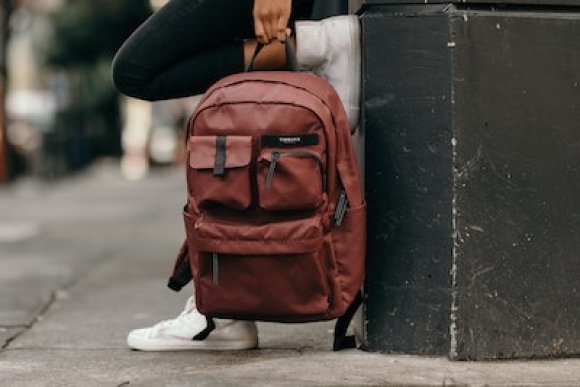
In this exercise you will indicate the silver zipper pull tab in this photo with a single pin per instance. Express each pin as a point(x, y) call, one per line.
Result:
point(215, 268)
point(341, 207)
point(272, 169)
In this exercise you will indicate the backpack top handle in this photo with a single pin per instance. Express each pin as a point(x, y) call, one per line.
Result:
point(291, 61)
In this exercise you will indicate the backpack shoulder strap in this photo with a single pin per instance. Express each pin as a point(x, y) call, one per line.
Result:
point(341, 340)
point(182, 271)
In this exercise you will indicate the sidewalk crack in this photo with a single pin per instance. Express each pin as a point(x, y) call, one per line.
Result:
point(55, 296)
point(59, 294)
point(27, 327)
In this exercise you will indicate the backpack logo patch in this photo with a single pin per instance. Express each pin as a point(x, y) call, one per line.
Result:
point(300, 140)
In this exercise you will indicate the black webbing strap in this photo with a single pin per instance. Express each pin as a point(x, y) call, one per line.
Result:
point(219, 168)
point(182, 272)
point(341, 340)
point(291, 61)
point(208, 329)
point(259, 47)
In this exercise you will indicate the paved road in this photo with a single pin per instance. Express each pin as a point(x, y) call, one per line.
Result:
point(85, 260)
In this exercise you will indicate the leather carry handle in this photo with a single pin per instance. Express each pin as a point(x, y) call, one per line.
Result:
point(291, 61)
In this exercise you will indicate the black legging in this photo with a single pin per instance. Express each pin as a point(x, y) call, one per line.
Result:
point(186, 46)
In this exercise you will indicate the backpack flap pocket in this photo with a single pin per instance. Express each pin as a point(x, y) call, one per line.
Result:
point(220, 170)
point(289, 237)
point(290, 179)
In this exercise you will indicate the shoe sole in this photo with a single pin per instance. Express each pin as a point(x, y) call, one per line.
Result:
point(183, 345)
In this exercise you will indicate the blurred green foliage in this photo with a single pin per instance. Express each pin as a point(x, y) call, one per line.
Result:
point(86, 31)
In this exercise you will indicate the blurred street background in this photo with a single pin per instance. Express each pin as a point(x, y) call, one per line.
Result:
point(60, 110)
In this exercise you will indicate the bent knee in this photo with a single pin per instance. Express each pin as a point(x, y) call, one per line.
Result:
point(129, 78)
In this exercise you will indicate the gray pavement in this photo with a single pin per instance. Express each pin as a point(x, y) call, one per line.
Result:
point(85, 260)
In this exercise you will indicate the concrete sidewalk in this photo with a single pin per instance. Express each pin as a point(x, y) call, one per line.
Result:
point(85, 260)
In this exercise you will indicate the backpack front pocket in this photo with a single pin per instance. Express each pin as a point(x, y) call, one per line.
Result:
point(220, 170)
point(286, 287)
point(275, 271)
point(290, 180)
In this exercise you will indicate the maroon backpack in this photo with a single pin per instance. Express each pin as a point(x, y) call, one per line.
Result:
point(275, 219)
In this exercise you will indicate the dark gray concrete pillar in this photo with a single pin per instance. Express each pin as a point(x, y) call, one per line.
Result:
point(472, 114)
point(327, 8)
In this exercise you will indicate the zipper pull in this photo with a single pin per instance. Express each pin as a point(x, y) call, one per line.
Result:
point(215, 268)
point(270, 175)
point(340, 209)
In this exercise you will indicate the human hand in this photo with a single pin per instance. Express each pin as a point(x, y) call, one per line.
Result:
point(271, 19)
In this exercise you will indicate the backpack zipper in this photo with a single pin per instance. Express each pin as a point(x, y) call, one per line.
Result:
point(215, 268)
point(276, 155)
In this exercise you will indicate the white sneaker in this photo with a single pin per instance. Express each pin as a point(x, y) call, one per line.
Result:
point(330, 48)
point(191, 330)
